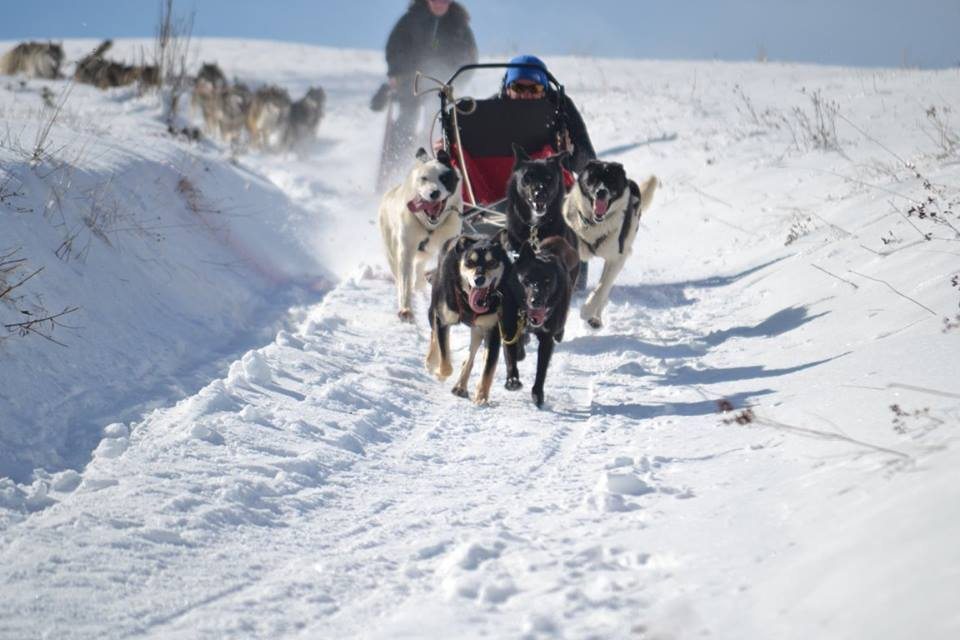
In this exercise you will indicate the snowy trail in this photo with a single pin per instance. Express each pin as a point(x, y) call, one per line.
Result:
point(373, 493)
point(326, 486)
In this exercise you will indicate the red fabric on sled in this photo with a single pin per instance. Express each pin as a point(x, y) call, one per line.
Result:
point(490, 175)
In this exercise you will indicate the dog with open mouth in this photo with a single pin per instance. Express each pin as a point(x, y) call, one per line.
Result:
point(535, 196)
point(467, 289)
point(603, 209)
point(538, 295)
point(416, 218)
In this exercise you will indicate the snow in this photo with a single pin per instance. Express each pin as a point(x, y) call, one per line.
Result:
point(239, 439)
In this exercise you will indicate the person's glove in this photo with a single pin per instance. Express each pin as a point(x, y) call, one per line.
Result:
point(380, 99)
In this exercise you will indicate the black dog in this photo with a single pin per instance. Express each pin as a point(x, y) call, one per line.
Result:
point(535, 202)
point(467, 289)
point(539, 295)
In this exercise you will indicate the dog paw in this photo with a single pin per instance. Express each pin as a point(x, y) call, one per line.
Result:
point(594, 323)
point(406, 315)
point(445, 370)
point(537, 395)
point(513, 384)
point(460, 392)
point(481, 400)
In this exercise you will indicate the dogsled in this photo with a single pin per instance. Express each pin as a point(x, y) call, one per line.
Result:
point(479, 134)
point(508, 265)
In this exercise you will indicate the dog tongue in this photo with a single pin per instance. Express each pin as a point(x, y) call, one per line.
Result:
point(478, 300)
point(537, 316)
point(600, 208)
point(432, 209)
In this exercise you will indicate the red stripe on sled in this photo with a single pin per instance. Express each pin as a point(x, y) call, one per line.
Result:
point(490, 175)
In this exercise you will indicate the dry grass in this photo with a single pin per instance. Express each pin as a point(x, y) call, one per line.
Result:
point(27, 319)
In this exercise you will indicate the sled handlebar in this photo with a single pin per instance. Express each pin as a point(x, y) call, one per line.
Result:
point(506, 65)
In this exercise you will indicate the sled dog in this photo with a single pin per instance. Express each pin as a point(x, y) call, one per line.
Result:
point(603, 208)
point(267, 117)
point(305, 115)
point(207, 86)
point(539, 297)
point(535, 196)
point(466, 289)
point(229, 112)
point(102, 73)
point(416, 218)
point(33, 59)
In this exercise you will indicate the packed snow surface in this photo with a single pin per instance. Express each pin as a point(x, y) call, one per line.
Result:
point(237, 438)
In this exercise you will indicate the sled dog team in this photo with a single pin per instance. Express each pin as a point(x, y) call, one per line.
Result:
point(266, 118)
point(520, 280)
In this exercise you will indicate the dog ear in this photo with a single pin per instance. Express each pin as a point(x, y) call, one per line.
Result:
point(519, 154)
point(464, 242)
point(444, 158)
point(422, 155)
point(618, 170)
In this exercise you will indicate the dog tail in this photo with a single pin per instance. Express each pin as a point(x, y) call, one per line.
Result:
point(647, 188)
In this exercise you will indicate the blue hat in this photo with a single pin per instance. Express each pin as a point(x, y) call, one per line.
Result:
point(526, 73)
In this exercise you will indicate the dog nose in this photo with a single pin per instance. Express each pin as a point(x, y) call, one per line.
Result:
point(479, 280)
point(602, 194)
point(435, 194)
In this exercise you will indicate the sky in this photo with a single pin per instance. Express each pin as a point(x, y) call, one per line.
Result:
point(870, 33)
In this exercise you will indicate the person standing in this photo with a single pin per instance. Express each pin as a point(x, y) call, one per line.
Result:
point(433, 37)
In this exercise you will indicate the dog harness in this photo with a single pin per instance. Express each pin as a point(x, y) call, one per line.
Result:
point(534, 238)
point(521, 325)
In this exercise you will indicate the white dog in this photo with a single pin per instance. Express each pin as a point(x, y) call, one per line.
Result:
point(603, 208)
point(416, 218)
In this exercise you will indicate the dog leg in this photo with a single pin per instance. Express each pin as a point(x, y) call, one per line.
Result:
point(460, 389)
point(597, 300)
point(432, 361)
point(420, 268)
point(489, 367)
point(544, 354)
point(405, 285)
point(511, 348)
point(443, 343)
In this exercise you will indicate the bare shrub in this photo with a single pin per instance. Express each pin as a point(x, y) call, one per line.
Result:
point(916, 423)
point(954, 323)
point(172, 55)
point(819, 129)
point(7, 189)
point(951, 324)
point(27, 318)
point(768, 118)
point(745, 416)
point(41, 145)
point(940, 131)
point(937, 207)
point(801, 226)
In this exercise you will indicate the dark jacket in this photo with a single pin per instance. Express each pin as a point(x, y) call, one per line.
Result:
point(437, 46)
point(582, 151)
